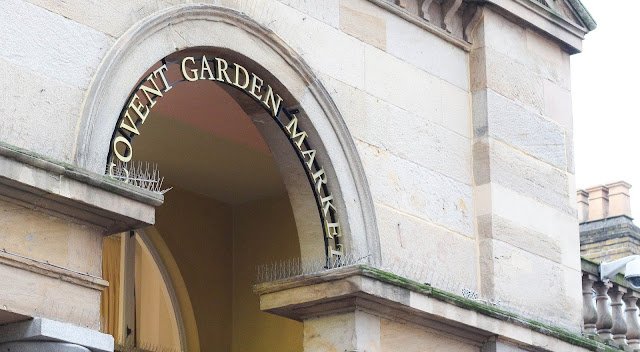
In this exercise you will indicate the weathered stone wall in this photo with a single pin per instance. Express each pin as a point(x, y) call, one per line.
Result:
point(403, 92)
point(485, 195)
point(523, 169)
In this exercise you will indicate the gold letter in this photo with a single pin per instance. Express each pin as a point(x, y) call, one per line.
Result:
point(326, 204)
point(222, 71)
point(246, 77)
point(146, 90)
point(319, 178)
point(133, 128)
point(140, 109)
point(122, 158)
point(312, 157)
point(164, 79)
point(253, 90)
point(205, 66)
point(275, 107)
point(333, 229)
point(292, 128)
point(336, 252)
point(184, 70)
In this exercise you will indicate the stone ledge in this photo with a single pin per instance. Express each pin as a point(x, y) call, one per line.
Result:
point(37, 182)
point(364, 287)
point(54, 271)
point(40, 330)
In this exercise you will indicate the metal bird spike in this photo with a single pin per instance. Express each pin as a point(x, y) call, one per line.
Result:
point(293, 267)
point(143, 175)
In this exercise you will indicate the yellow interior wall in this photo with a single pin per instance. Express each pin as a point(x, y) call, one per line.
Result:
point(264, 231)
point(198, 231)
point(217, 247)
point(156, 325)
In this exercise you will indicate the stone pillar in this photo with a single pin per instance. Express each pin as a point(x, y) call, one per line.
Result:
point(605, 321)
point(633, 327)
point(352, 331)
point(523, 170)
point(598, 203)
point(619, 202)
point(619, 327)
point(589, 313)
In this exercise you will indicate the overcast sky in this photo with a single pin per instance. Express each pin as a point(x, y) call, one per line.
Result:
point(606, 98)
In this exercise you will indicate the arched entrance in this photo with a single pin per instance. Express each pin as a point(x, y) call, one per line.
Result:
point(189, 30)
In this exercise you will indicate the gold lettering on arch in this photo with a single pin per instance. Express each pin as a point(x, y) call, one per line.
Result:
point(135, 113)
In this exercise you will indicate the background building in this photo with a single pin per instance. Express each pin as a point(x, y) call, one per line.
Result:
point(400, 173)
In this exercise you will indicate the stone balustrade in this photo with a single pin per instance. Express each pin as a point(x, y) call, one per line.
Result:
point(610, 310)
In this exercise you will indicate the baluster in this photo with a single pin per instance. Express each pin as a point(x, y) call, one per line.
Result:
point(589, 313)
point(619, 328)
point(633, 326)
point(604, 322)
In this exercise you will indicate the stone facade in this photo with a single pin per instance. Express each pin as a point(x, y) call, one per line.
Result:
point(444, 129)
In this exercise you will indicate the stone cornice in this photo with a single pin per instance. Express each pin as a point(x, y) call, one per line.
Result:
point(533, 14)
point(50, 186)
point(394, 297)
point(544, 20)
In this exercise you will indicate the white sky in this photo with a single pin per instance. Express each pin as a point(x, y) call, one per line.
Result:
point(606, 99)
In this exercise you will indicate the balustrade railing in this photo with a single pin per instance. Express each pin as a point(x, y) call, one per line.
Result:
point(610, 310)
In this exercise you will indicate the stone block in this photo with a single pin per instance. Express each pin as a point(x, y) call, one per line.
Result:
point(38, 112)
point(47, 238)
point(499, 228)
point(528, 176)
point(327, 11)
point(525, 283)
point(416, 46)
point(397, 336)
point(519, 127)
point(509, 78)
point(548, 60)
point(540, 55)
point(353, 331)
point(557, 104)
point(418, 191)
point(122, 14)
point(50, 45)
point(388, 127)
point(456, 109)
point(501, 34)
point(392, 80)
point(434, 252)
point(571, 164)
point(323, 47)
point(520, 214)
point(33, 294)
point(367, 26)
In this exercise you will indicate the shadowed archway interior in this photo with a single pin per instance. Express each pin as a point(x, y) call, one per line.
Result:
point(229, 209)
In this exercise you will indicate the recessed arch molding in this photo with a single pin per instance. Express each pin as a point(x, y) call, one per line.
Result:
point(210, 26)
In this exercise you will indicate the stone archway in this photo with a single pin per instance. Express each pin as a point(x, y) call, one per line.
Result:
point(187, 26)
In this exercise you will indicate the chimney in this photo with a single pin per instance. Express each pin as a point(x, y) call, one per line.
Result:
point(583, 206)
point(598, 203)
point(619, 202)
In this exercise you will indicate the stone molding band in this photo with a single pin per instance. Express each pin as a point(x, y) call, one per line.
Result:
point(51, 270)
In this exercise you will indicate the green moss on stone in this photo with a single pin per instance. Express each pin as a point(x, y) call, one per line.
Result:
point(484, 309)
